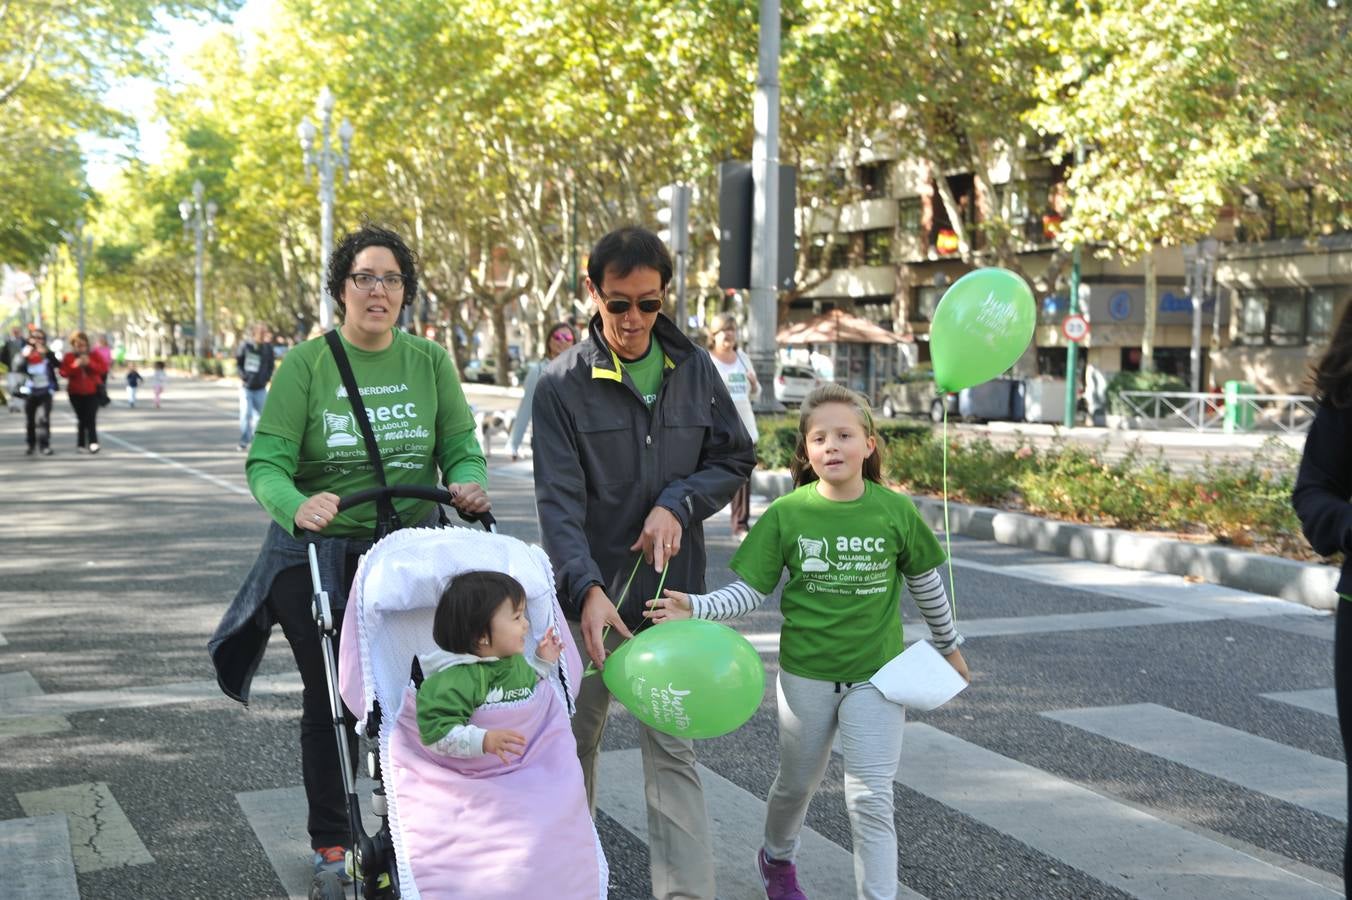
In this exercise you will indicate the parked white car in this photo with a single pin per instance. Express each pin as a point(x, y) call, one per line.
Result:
point(794, 383)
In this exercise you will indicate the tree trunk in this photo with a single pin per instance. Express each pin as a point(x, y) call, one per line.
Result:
point(1151, 312)
point(498, 316)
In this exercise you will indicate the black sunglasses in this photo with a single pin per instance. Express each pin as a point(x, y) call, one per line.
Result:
point(619, 306)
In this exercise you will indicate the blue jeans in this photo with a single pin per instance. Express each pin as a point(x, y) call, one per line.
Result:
point(250, 408)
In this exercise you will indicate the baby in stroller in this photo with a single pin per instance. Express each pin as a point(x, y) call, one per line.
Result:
point(508, 821)
point(481, 628)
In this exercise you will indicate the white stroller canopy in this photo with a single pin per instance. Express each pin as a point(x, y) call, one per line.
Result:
point(395, 593)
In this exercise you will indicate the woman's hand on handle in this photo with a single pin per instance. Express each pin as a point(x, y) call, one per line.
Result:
point(317, 512)
point(670, 606)
point(469, 497)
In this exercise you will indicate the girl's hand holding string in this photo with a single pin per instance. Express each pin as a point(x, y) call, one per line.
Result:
point(670, 606)
point(959, 664)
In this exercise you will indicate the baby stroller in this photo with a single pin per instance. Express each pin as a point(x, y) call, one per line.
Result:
point(454, 827)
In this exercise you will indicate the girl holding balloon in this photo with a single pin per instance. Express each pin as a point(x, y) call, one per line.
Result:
point(847, 542)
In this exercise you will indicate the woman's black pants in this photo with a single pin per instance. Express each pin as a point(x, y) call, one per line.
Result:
point(289, 603)
point(86, 408)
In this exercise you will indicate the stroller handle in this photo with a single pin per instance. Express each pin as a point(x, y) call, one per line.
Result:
point(415, 492)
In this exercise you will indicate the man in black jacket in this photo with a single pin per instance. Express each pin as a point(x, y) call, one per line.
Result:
point(256, 361)
point(636, 444)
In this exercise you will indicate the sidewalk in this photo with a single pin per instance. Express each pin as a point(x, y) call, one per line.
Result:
point(1184, 449)
point(1307, 583)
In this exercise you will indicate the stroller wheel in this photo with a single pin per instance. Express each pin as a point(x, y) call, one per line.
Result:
point(327, 886)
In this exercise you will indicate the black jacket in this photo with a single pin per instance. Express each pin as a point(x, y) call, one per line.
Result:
point(603, 460)
point(22, 365)
point(1324, 485)
point(266, 363)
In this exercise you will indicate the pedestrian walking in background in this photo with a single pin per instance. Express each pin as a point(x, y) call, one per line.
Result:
point(636, 444)
point(1321, 498)
point(16, 345)
point(561, 337)
point(256, 362)
point(37, 367)
point(158, 379)
point(133, 382)
point(838, 631)
point(84, 372)
point(307, 454)
point(740, 379)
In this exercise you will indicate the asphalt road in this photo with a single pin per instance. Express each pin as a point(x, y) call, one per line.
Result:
point(1126, 734)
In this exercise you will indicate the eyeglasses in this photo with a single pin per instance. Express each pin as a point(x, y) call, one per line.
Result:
point(618, 306)
point(366, 282)
point(565, 336)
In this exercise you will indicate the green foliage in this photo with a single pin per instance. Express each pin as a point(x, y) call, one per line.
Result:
point(1241, 504)
point(1138, 381)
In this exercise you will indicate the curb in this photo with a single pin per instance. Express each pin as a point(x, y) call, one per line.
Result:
point(1309, 584)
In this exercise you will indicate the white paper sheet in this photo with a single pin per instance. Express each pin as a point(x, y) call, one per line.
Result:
point(919, 677)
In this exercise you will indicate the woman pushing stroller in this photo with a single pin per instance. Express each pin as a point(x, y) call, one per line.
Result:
point(314, 444)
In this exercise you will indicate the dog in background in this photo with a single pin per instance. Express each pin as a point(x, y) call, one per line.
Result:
point(491, 422)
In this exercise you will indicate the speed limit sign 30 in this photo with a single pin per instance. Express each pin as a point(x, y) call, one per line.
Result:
point(1075, 328)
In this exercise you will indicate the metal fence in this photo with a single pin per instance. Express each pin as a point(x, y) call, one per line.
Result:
point(1285, 413)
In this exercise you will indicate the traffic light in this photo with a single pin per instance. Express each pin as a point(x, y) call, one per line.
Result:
point(674, 214)
point(736, 202)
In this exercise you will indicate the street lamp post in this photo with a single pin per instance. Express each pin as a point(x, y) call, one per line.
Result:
point(201, 220)
point(327, 160)
point(81, 246)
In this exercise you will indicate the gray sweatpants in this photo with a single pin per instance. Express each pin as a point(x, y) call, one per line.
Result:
point(870, 725)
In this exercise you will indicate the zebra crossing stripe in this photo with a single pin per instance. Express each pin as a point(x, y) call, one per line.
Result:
point(1290, 774)
point(1320, 700)
point(35, 855)
point(825, 869)
point(1119, 845)
point(140, 696)
point(16, 685)
point(101, 837)
point(277, 818)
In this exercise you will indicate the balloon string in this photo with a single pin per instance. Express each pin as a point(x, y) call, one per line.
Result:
point(624, 595)
point(948, 530)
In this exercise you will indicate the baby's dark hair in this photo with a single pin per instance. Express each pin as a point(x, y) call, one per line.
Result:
point(465, 610)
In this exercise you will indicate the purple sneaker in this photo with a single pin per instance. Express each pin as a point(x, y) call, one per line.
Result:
point(780, 878)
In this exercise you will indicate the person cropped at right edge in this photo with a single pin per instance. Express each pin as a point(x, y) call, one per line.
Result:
point(1321, 498)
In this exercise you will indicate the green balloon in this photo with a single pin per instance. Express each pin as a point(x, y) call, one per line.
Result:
point(982, 326)
point(690, 678)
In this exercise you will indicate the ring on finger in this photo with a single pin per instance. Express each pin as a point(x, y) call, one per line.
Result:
point(316, 518)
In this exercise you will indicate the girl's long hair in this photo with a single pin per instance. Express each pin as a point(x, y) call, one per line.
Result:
point(1332, 375)
point(835, 393)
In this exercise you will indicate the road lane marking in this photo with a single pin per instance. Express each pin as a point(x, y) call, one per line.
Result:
point(101, 836)
point(1255, 763)
point(825, 869)
point(170, 461)
point(35, 855)
point(1320, 700)
point(1119, 845)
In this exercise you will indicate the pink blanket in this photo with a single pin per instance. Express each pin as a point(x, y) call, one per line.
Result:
point(487, 830)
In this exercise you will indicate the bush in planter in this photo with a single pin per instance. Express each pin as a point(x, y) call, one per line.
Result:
point(1138, 381)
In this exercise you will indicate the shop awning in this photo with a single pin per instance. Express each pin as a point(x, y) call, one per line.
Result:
point(839, 327)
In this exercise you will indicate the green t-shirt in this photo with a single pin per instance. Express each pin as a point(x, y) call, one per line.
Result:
point(840, 603)
point(448, 698)
point(309, 441)
point(647, 371)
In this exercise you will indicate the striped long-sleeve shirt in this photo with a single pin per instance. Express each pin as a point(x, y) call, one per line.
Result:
point(931, 598)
